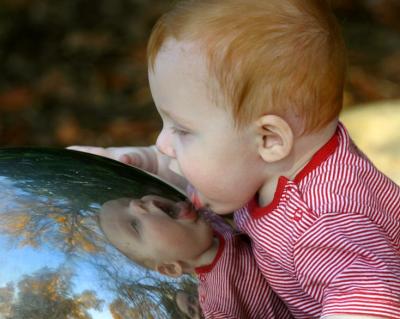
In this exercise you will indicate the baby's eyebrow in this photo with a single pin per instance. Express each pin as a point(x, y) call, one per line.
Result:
point(134, 223)
point(175, 118)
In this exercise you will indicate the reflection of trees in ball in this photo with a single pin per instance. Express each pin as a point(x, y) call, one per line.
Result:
point(47, 294)
point(55, 195)
point(51, 198)
point(150, 294)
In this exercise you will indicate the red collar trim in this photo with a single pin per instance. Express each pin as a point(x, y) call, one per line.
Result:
point(257, 211)
point(206, 269)
point(320, 156)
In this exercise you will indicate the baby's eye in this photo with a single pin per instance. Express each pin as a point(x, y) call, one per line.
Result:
point(179, 131)
point(134, 225)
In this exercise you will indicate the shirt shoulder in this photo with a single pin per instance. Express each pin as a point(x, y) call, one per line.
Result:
point(235, 285)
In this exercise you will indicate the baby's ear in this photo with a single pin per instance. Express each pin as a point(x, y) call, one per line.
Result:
point(172, 269)
point(275, 138)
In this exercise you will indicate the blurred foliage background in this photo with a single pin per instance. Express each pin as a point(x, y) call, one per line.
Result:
point(74, 71)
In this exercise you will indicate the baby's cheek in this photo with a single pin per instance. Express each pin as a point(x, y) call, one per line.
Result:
point(168, 235)
point(202, 177)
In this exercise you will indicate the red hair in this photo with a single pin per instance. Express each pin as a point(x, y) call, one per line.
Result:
point(283, 57)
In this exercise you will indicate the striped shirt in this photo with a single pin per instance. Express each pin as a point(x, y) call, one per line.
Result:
point(232, 286)
point(329, 242)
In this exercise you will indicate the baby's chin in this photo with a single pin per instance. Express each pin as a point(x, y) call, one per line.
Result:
point(217, 207)
point(221, 209)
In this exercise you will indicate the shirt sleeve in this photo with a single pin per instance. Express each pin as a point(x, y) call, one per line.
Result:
point(350, 265)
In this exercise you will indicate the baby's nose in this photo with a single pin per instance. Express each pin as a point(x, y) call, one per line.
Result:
point(164, 143)
point(137, 206)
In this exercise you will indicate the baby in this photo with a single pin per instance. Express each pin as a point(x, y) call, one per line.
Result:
point(249, 92)
point(174, 239)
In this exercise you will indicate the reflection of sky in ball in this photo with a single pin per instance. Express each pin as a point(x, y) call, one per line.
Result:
point(18, 261)
point(49, 203)
point(26, 261)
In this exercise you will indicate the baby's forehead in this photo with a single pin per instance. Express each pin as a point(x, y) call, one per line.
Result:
point(186, 53)
point(114, 207)
point(122, 202)
point(182, 48)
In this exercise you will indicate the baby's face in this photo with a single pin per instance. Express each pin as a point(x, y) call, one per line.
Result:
point(157, 228)
point(199, 134)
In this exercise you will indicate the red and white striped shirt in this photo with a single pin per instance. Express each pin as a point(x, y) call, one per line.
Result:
point(329, 242)
point(232, 285)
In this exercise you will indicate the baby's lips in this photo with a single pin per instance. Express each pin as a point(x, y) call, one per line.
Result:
point(195, 200)
point(187, 211)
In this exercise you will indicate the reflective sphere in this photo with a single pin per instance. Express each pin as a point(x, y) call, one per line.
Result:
point(54, 260)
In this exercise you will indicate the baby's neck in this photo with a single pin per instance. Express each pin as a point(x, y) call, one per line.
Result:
point(204, 259)
point(304, 148)
point(307, 145)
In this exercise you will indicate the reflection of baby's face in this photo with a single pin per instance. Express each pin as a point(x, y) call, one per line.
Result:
point(155, 227)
